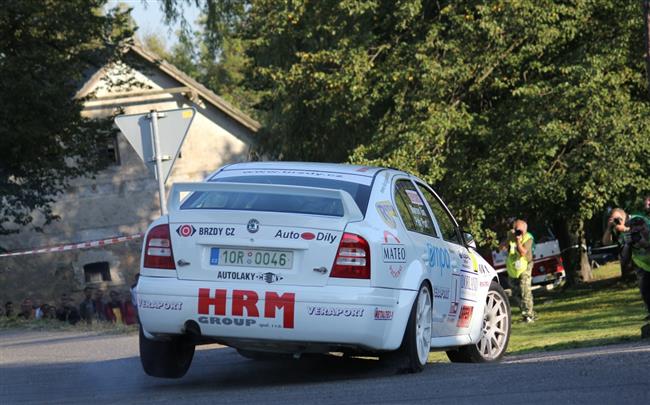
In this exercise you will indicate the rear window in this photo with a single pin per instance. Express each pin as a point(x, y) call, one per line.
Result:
point(279, 202)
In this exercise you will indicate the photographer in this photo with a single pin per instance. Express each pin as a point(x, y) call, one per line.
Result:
point(614, 233)
point(519, 265)
point(637, 247)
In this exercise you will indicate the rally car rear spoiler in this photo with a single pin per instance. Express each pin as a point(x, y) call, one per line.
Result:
point(351, 210)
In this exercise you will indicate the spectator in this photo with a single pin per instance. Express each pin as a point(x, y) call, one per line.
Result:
point(26, 309)
point(615, 233)
point(519, 265)
point(38, 311)
point(9, 309)
point(87, 306)
point(67, 312)
point(120, 311)
point(101, 309)
point(637, 248)
point(50, 311)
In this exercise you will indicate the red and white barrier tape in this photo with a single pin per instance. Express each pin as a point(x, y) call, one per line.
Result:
point(82, 245)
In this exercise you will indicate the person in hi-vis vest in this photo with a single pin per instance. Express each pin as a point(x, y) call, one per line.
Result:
point(519, 265)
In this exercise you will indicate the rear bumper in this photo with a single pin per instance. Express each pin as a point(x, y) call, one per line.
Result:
point(554, 278)
point(238, 314)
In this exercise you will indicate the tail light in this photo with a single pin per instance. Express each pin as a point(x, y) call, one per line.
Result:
point(352, 259)
point(559, 267)
point(158, 249)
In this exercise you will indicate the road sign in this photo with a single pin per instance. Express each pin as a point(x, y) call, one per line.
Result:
point(172, 129)
point(157, 137)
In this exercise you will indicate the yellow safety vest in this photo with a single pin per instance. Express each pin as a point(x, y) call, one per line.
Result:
point(516, 264)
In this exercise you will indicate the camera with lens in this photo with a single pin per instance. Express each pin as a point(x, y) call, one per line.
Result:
point(636, 226)
point(518, 232)
point(618, 221)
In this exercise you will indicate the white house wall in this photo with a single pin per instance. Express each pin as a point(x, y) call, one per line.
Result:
point(123, 199)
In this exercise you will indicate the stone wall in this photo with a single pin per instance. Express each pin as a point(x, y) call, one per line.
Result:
point(44, 277)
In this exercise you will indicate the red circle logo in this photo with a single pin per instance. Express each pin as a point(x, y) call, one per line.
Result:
point(307, 235)
point(185, 230)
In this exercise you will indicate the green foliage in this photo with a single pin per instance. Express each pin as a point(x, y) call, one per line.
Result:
point(213, 55)
point(510, 108)
point(46, 50)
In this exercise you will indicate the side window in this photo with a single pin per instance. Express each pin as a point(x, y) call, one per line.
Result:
point(412, 209)
point(442, 216)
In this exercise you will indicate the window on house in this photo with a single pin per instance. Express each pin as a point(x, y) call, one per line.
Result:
point(112, 151)
point(97, 272)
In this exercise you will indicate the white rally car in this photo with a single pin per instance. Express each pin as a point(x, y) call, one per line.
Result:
point(275, 257)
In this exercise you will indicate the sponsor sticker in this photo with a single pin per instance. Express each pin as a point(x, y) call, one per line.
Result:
point(468, 282)
point(440, 292)
point(453, 309)
point(244, 308)
point(387, 213)
point(438, 257)
point(144, 303)
point(414, 197)
point(395, 270)
point(465, 316)
point(388, 235)
point(216, 231)
point(484, 284)
point(319, 236)
point(335, 312)
point(393, 253)
point(249, 276)
point(185, 230)
point(383, 314)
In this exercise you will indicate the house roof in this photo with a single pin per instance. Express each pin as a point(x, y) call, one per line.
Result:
point(176, 74)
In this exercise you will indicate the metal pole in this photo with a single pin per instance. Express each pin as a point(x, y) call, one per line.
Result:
point(158, 157)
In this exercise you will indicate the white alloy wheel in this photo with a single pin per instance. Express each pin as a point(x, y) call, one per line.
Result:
point(423, 325)
point(494, 334)
point(495, 331)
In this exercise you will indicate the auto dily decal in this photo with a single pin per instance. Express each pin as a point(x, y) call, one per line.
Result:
point(319, 236)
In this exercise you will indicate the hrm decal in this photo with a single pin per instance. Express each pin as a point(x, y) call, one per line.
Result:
point(247, 301)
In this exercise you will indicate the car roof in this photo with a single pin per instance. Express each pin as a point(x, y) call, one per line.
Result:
point(340, 168)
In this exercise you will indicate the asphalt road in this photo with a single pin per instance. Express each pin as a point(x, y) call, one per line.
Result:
point(64, 367)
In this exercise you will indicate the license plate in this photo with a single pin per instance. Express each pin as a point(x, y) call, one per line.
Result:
point(275, 259)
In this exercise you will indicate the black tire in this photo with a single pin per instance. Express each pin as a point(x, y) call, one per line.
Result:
point(166, 359)
point(412, 355)
point(495, 333)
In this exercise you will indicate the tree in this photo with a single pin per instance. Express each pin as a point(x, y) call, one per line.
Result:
point(44, 141)
point(521, 108)
point(213, 54)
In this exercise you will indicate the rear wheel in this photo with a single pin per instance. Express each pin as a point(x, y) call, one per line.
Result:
point(166, 359)
point(495, 332)
point(414, 351)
